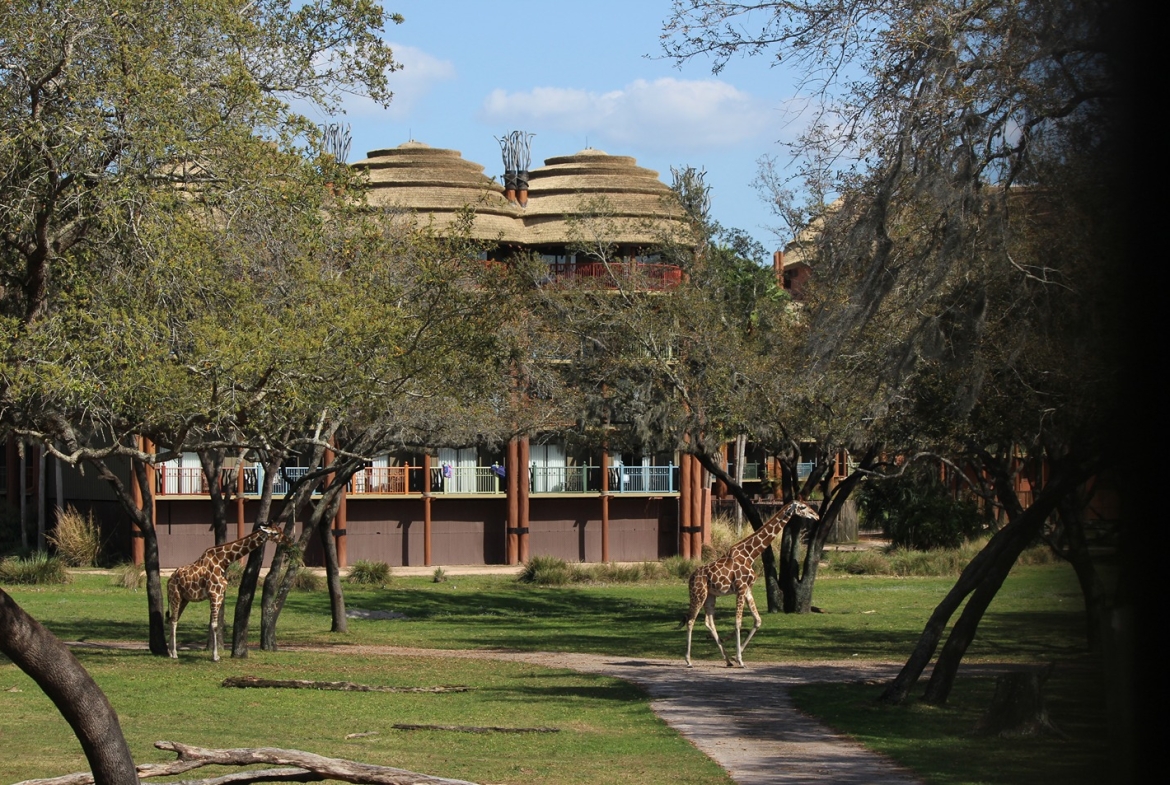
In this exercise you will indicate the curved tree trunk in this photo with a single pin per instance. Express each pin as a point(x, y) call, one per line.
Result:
point(247, 593)
point(984, 575)
point(37, 652)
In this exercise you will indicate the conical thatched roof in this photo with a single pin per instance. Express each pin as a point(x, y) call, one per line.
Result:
point(437, 184)
point(630, 204)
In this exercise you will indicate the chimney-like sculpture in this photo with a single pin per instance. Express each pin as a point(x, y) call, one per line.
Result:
point(516, 149)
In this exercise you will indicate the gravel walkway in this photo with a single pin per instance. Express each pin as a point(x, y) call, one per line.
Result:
point(718, 709)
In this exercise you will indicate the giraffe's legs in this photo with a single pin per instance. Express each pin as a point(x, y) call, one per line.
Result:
point(216, 605)
point(755, 617)
point(710, 622)
point(745, 595)
point(173, 614)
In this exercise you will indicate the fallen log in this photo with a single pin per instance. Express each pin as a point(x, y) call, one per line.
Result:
point(472, 728)
point(245, 682)
point(308, 768)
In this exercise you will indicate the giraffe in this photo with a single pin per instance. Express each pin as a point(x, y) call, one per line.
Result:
point(733, 574)
point(206, 579)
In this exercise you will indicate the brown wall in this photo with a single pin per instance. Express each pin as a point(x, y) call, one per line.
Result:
point(463, 531)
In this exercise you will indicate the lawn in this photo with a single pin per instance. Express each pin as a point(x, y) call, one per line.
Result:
point(607, 732)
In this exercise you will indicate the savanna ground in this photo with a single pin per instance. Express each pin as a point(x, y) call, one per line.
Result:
point(607, 731)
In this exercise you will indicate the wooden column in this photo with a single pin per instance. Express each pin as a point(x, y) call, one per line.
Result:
point(522, 485)
point(12, 477)
point(512, 474)
point(39, 485)
point(604, 505)
point(240, 486)
point(684, 506)
point(696, 498)
point(339, 517)
point(426, 507)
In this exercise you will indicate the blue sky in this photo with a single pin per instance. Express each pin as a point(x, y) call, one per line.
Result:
point(579, 75)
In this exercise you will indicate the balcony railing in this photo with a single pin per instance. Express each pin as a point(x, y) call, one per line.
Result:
point(643, 275)
point(466, 479)
point(402, 480)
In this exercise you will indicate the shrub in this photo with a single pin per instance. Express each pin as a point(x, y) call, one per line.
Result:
point(307, 580)
point(39, 568)
point(679, 567)
point(235, 573)
point(129, 576)
point(373, 573)
point(439, 575)
point(546, 571)
point(723, 536)
point(916, 511)
point(77, 538)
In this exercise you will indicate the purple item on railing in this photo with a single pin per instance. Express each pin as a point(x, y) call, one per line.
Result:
point(447, 470)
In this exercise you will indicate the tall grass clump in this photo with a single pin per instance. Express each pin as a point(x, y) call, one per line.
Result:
point(39, 568)
point(723, 536)
point(129, 575)
point(546, 571)
point(678, 567)
point(77, 538)
point(369, 573)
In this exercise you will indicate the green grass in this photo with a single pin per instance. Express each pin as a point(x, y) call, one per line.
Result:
point(937, 743)
point(1037, 617)
point(608, 733)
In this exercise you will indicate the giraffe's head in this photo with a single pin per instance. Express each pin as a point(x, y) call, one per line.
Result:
point(802, 510)
point(274, 533)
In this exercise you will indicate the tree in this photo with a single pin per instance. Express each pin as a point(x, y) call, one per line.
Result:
point(975, 149)
point(127, 130)
point(37, 652)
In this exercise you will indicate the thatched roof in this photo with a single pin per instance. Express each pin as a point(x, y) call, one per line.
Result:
point(633, 205)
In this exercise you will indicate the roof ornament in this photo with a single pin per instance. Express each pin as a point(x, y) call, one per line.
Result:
point(516, 149)
point(336, 139)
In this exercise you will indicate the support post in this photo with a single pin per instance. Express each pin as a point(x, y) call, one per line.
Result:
point(512, 472)
point(240, 486)
point(605, 506)
point(684, 506)
point(522, 484)
point(426, 507)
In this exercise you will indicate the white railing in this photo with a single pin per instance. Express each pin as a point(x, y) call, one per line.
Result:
point(804, 470)
point(565, 479)
point(175, 480)
point(385, 479)
point(642, 479)
point(466, 479)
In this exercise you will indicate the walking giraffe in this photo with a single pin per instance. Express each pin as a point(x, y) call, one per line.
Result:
point(733, 573)
point(206, 579)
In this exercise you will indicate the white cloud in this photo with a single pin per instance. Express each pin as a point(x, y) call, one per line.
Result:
point(419, 74)
point(667, 112)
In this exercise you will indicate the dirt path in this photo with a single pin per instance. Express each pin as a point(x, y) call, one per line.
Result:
point(718, 710)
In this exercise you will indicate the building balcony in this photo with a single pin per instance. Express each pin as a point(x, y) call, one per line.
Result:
point(443, 480)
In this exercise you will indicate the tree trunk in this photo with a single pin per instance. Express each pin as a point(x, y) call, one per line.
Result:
point(333, 576)
point(37, 652)
point(144, 518)
point(1017, 708)
point(212, 464)
point(247, 591)
point(985, 567)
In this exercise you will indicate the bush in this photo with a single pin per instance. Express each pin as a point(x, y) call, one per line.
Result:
point(129, 576)
point(915, 511)
point(439, 575)
point(77, 538)
point(678, 567)
point(234, 573)
point(546, 571)
point(39, 568)
point(372, 573)
point(307, 580)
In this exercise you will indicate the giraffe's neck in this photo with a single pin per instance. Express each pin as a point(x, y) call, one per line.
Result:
point(234, 551)
point(754, 544)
